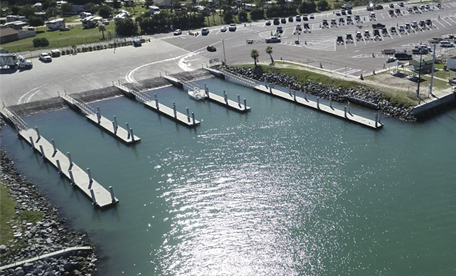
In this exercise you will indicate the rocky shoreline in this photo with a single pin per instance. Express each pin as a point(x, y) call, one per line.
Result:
point(359, 95)
point(48, 235)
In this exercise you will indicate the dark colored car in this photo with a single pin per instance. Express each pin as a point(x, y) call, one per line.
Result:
point(290, 19)
point(403, 56)
point(211, 48)
point(283, 21)
point(276, 21)
point(340, 40)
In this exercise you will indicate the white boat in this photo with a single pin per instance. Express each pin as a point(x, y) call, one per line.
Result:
point(197, 95)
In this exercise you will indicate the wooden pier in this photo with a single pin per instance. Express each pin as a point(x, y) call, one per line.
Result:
point(224, 101)
point(187, 120)
point(291, 96)
point(125, 135)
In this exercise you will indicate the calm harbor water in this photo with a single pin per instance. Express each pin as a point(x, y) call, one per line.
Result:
point(282, 190)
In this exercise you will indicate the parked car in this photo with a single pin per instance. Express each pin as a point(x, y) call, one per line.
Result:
point(276, 21)
point(446, 44)
point(403, 56)
point(359, 36)
point(204, 31)
point(279, 30)
point(211, 48)
point(267, 23)
point(340, 40)
point(223, 29)
point(273, 39)
point(55, 53)
point(178, 32)
point(232, 27)
point(283, 21)
point(105, 21)
point(290, 19)
point(45, 57)
point(298, 18)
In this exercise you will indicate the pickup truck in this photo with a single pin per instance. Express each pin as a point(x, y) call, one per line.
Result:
point(13, 61)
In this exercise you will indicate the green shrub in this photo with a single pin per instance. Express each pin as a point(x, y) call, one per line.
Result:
point(40, 42)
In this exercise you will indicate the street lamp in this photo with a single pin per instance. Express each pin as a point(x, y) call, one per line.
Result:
point(419, 76)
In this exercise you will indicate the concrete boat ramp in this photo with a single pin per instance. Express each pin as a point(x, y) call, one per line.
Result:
point(77, 176)
point(291, 96)
point(224, 101)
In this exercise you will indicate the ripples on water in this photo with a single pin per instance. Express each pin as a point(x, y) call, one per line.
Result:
point(269, 214)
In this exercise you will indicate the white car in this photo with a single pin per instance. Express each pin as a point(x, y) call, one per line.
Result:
point(232, 27)
point(45, 57)
point(178, 32)
point(105, 22)
point(223, 29)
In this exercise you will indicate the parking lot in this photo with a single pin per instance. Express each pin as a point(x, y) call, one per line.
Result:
point(188, 51)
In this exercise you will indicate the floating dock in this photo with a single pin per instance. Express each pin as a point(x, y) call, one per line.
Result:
point(291, 96)
point(238, 106)
point(187, 120)
point(78, 177)
point(125, 135)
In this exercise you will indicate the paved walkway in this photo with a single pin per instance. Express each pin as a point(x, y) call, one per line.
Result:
point(48, 255)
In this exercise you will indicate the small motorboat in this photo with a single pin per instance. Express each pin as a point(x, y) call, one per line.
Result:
point(197, 95)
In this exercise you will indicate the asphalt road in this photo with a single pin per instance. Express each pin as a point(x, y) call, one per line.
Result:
point(172, 54)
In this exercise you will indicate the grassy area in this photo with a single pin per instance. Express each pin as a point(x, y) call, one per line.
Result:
point(58, 39)
point(6, 214)
point(30, 216)
point(303, 75)
point(441, 73)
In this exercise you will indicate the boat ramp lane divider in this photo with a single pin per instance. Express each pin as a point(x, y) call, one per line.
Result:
point(222, 100)
point(112, 127)
point(345, 114)
point(54, 254)
point(65, 166)
point(185, 119)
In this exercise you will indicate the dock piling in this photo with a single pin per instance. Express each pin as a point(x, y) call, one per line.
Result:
point(379, 116)
point(37, 133)
point(92, 193)
point(156, 102)
point(53, 145)
point(376, 119)
point(270, 90)
point(225, 96)
point(245, 104)
point(58, 166)
point(116, 125)
point(294, 95)
point(90, 177)
point(69, 159)
point(348, 107)
point(128, 127)
point(32, 143)
point(239, 100)
point(98, 114)
point(188, 115)
point(193, 117)
point(111, 191)
point(330, 102)
point(345, 111)
point(318, 102)
point(42, 152)
point(174, 109)
point(71, 176)
point(132, 135)
point(206, 89)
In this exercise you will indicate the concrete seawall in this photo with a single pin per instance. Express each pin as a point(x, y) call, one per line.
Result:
point(423, 111)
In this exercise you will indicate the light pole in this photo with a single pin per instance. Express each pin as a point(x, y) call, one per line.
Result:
point(419, 76)
point(433, 63)
point(224, 55)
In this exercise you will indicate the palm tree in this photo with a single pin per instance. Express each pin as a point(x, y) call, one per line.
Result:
point(102, 29)
point(269, 52)
point(254, 54)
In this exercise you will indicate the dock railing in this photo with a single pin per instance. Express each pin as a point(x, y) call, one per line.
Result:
point(239, 78)
point(15, 119)
point(82, 106)
point(190, 85)
point(139, 95)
